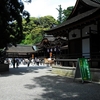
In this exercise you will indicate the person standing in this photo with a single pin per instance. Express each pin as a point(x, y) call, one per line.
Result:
point(17, 62)
point(29, 61)
point(13, 62)
point(37, 61)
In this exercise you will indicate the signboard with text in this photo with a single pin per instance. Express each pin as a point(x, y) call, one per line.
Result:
point(83, 70)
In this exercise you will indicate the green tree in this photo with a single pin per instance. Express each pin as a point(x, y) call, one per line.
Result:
point(63, 14)
point(60, 17)
point(47, 21)
point(66, 12)
point(34, 30)
point(11, 14)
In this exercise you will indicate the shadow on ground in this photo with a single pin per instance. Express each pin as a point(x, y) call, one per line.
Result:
point(56, 87)
point(21, 70)
point(62, 88)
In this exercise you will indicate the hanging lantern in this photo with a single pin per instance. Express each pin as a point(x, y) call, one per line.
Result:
point(55, 49)
point(47, 49)
point(51, 50)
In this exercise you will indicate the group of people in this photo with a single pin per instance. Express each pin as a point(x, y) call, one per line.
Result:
point(15, 62)
point(37, 61)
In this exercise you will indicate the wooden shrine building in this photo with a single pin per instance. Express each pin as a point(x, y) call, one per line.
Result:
point(20, 51)
point(52, 45)
point(82, 30)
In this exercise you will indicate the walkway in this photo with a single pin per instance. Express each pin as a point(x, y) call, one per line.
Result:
point(38, 83)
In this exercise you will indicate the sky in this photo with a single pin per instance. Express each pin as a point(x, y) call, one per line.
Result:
point(41, 8)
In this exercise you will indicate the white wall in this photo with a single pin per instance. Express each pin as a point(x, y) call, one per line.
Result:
point(86, 47)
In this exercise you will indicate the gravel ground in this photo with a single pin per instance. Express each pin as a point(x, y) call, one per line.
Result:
point(38, 83)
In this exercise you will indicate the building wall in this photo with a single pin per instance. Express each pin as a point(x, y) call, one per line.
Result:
point(86, 30)
point(86, 48)
point(75, 31)
point(81, 43)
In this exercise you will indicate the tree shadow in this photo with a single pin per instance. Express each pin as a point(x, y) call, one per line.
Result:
point(21, 71)
point(62, 88)
point(53, 87)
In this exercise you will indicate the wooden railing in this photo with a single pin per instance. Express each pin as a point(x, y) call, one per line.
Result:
point(79, 55)
point(70, 60)
point(66, 62)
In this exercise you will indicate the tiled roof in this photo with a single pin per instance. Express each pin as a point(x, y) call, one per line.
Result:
point(94, 3)
point(75, 19)
point(19, 48)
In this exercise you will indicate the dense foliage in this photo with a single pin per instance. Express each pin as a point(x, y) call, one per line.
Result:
point(13, 26)
point(11, 14)
point(67, 12)
point(34, 30)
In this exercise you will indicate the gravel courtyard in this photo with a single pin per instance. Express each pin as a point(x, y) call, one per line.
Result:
point(38, 83)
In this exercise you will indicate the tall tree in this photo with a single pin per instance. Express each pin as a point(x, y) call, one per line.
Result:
point(60, 11)
point(11, 13)
point(63, 14)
